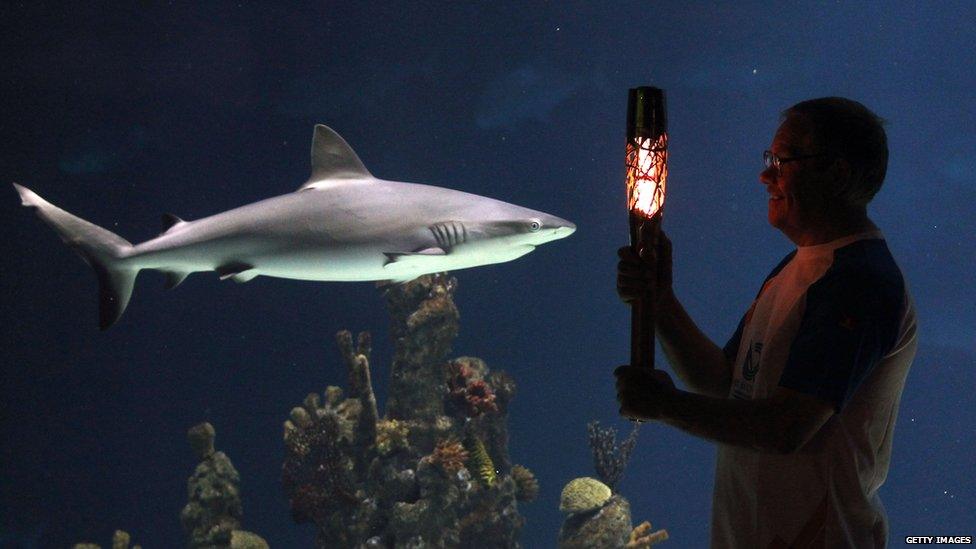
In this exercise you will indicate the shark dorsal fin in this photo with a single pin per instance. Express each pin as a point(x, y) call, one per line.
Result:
point(333, 158)
point(170, 221)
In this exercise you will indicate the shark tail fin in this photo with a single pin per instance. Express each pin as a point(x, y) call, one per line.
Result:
point(102, 249)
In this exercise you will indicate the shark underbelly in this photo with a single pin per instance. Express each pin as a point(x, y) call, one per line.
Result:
point(326, 264)
point(373, 263)
point(301, 258)
point(351, 264)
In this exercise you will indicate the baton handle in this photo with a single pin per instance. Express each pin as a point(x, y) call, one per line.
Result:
point(643, 234)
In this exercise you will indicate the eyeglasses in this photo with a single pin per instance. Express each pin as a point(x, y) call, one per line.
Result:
point(772, 161)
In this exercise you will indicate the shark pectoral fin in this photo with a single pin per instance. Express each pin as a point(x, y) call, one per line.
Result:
point(239, 272)
point(413, 257)
point(175, 278)
point(431, 251)
point(246, 276)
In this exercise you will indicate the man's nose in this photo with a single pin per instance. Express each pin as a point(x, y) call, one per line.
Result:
point(768, 176)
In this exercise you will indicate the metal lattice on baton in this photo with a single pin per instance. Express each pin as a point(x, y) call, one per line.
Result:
point(647, 174)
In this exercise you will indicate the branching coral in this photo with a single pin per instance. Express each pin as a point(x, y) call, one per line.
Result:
point(642, 537)
point(609, 459)
point(360, 384)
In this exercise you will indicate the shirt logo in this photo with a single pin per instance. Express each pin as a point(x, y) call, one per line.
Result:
point(751, 365)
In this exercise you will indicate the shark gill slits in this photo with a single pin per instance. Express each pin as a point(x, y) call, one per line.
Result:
point(449, 234)
point(438, 237)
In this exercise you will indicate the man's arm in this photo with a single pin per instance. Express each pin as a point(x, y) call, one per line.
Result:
point(782, 423)
point(699, 362)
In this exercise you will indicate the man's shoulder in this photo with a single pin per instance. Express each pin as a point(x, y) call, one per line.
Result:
point(866, 262)
point(783, 263)
point(863, 272)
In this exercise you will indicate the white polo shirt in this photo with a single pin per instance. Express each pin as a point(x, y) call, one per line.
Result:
point(834, 321)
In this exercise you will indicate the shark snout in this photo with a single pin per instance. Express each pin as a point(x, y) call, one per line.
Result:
point(561, 229)
point(564, 231)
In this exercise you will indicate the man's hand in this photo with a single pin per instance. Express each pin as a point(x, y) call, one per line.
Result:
point(635, 272)
point(642, 392)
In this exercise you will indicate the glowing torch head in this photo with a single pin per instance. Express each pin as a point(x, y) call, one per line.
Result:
point(647, 151)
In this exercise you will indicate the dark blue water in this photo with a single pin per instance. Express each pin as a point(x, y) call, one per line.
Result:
point(119, 114)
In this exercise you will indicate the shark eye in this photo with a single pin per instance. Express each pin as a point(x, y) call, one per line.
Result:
point(534, 225)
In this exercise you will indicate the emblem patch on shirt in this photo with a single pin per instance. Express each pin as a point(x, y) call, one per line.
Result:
point(742, 387)
point(751, 365)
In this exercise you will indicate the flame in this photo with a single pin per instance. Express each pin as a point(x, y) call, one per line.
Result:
point(647, 174)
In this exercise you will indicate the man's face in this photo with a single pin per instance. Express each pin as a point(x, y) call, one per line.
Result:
point(793, 188)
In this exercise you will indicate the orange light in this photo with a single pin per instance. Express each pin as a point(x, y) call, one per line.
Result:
point(647, 174)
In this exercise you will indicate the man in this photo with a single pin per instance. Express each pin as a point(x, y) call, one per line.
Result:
point(802, 399)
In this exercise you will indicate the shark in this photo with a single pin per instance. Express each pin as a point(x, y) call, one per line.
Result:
point(343, 224)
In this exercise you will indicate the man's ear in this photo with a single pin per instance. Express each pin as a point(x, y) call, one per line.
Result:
point(839, 174)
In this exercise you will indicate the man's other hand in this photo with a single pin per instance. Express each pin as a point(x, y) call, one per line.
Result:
point(642, 392)
point(635, 272)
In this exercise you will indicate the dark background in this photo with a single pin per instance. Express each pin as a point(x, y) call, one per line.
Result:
point(119, 114)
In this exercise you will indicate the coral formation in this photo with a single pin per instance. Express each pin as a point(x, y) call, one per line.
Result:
point(391, 435)
point(526, 485)
point(211, 517)
point(609, 459)
point(606, 527)
point(597, 517)
point(642, 537)
point(120, 540)
point(583, 494)
point(404, 479)
point(449, 455)
point(424, 322)
point(240, 539)
point(319, 473)
point(467, 393)
point(214, 507)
